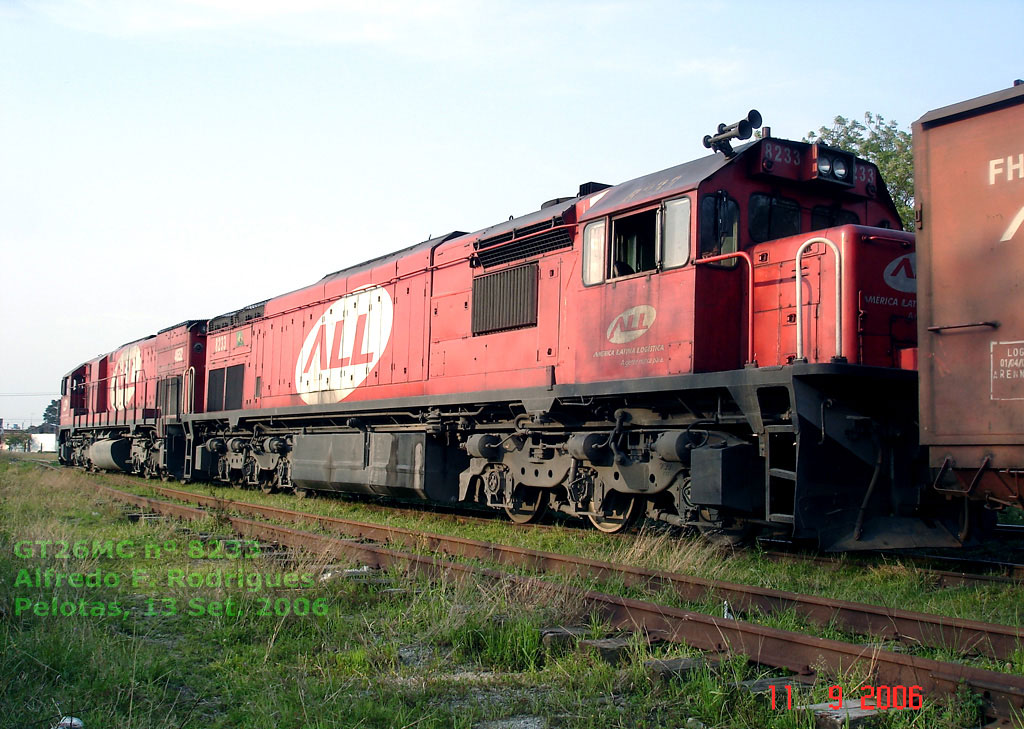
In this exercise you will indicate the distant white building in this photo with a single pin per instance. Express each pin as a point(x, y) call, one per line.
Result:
point(41, 442)
point(44, 442)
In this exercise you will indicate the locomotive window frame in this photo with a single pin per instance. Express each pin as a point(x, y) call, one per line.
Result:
point(635, 248)
point(680, 254)
point(673, 241)
point(594, 252)
point(771, 216)
point(832, 217)
point(711, 221)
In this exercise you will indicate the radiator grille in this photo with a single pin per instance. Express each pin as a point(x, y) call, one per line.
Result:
point(505, 300)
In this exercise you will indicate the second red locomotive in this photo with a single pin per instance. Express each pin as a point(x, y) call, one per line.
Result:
point(728, 343)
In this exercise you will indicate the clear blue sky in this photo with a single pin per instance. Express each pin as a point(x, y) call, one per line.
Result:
point(172, 159)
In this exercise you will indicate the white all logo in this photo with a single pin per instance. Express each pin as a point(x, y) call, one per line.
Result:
point(127, 370)
point(630, 324)
point(344, 346)
point(901, 273)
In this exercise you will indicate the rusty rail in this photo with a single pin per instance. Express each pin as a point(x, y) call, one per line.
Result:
point(1003, 694)
point(966, 636)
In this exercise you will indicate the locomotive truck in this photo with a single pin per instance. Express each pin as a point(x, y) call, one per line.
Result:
point(727, 344)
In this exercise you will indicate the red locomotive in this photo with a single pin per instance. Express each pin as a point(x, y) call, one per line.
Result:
point(728, 343)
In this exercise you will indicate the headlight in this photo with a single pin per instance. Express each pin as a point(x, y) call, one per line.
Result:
point(832, 165)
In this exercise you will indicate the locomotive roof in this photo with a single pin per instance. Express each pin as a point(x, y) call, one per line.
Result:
point(424, 245)
point(189, 323)
point(679, 178)
point(657, 184)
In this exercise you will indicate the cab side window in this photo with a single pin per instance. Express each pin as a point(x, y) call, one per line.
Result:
point(593, 253)
point(634, 244)
point(675, 243)
point(650, 240)
point(719, 225)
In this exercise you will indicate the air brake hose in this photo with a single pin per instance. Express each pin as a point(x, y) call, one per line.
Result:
point(858, 529)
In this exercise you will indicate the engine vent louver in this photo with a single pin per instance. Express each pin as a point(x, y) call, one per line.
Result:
point(520, 243)
point(234, 318)
point(505, 300)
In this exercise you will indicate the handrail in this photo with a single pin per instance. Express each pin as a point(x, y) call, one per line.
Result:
point(188, 395)
point(888, 238)
point(799, 297)
point(751, 359)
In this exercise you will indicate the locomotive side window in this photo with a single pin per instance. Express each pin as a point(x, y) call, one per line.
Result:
point(772, 217)
point(675, 243)
point(634, 243)
point(719, 225)
point(593, 253)
point(823, 216)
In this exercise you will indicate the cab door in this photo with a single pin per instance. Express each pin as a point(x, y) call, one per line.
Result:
point(634, 305)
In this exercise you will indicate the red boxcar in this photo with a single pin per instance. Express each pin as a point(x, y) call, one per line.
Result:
point(969, 192)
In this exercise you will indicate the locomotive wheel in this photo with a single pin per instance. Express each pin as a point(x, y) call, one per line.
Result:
point(268, 488)
point(618, 513)
point(529, 505)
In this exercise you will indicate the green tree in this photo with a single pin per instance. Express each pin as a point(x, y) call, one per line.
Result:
point(885, 144)
point(51, 416)
point(18, 440)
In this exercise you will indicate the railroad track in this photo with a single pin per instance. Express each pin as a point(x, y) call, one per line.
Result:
point(972, 571)
point(964, 571)
point(1002, 694)
point(967, 636)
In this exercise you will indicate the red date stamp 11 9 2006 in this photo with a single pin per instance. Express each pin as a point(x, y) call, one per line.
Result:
point(872, 698)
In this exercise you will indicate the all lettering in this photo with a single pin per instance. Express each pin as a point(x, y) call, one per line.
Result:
point(356, 355)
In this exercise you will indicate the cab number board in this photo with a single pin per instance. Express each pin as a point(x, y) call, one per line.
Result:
point(782, 154)
point(865, 173)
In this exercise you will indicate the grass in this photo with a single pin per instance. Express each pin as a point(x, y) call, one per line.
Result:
point(390, 650)
point(891, 582)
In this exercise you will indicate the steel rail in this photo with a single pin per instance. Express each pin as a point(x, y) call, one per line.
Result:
point(914, 628)
point(1012, 573)
point(1002, 694)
